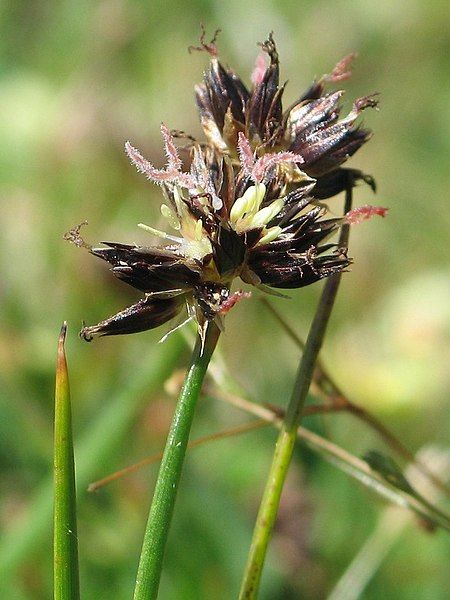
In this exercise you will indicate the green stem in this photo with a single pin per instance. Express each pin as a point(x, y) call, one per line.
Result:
point(340, 401)
point(65, 563)
point(161, 510)
point(288, 433)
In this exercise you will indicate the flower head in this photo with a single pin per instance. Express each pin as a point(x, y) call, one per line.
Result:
point(228, 223)
point(310, 127)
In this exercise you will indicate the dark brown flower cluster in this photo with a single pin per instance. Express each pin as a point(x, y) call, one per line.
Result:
point(247, 205)
point(310, 127)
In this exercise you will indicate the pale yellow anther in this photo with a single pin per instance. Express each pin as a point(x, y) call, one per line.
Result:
point(198, 233)
point(259, 196)
point(168, 213)
point(266, 214)
point(181, 207)
point(249, 203)
point(194, 243)
point(271, 234)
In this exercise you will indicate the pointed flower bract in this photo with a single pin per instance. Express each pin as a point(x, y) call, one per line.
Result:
point(310, 127)
point(230, 223)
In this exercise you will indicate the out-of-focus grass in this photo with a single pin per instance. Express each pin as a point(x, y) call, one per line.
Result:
point(77, 80)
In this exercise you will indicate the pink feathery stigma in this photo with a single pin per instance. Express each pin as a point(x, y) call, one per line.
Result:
point(146, 167)
point(364, 213)
point(342, 70)
point(260, 69)
point(268, 161)
point(173, 160)
point(228, 304)
point(172, 173)
point(246, 155)
point(257, 168)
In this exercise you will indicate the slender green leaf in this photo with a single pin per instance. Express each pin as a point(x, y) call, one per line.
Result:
point(94, 449)
point(65, 541)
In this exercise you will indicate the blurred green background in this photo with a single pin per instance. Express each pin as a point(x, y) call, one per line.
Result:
point(77, 80)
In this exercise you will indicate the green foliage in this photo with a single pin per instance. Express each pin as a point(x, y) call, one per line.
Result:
point(65, 537)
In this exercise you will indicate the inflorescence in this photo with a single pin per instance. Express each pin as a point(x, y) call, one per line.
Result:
point(248, 205)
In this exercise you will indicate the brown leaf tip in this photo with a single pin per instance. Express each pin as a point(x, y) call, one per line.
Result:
point(62, 334)
point(61, 342)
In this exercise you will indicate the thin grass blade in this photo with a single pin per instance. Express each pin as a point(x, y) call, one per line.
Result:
point(65, 565)
point(94, 448)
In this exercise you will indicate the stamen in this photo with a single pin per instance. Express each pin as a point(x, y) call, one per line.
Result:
point(179, 326)
point(161, 234)
point(168, 213)
point(272, 234)
point(266, 214)
point(179, 201)
point(249, 202)
point(198, 232)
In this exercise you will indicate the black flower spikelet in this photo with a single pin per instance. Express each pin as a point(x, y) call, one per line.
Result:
point(311, 126)
point(228, 223)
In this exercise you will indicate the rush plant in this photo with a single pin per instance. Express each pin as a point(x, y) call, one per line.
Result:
point(244, 205)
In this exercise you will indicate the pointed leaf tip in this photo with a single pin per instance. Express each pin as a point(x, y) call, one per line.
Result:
point(61, 366)
point(62, 333)
point(65, 569)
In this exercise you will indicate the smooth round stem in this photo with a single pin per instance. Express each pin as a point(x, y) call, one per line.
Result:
point(161, 511)
point(284, 448)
